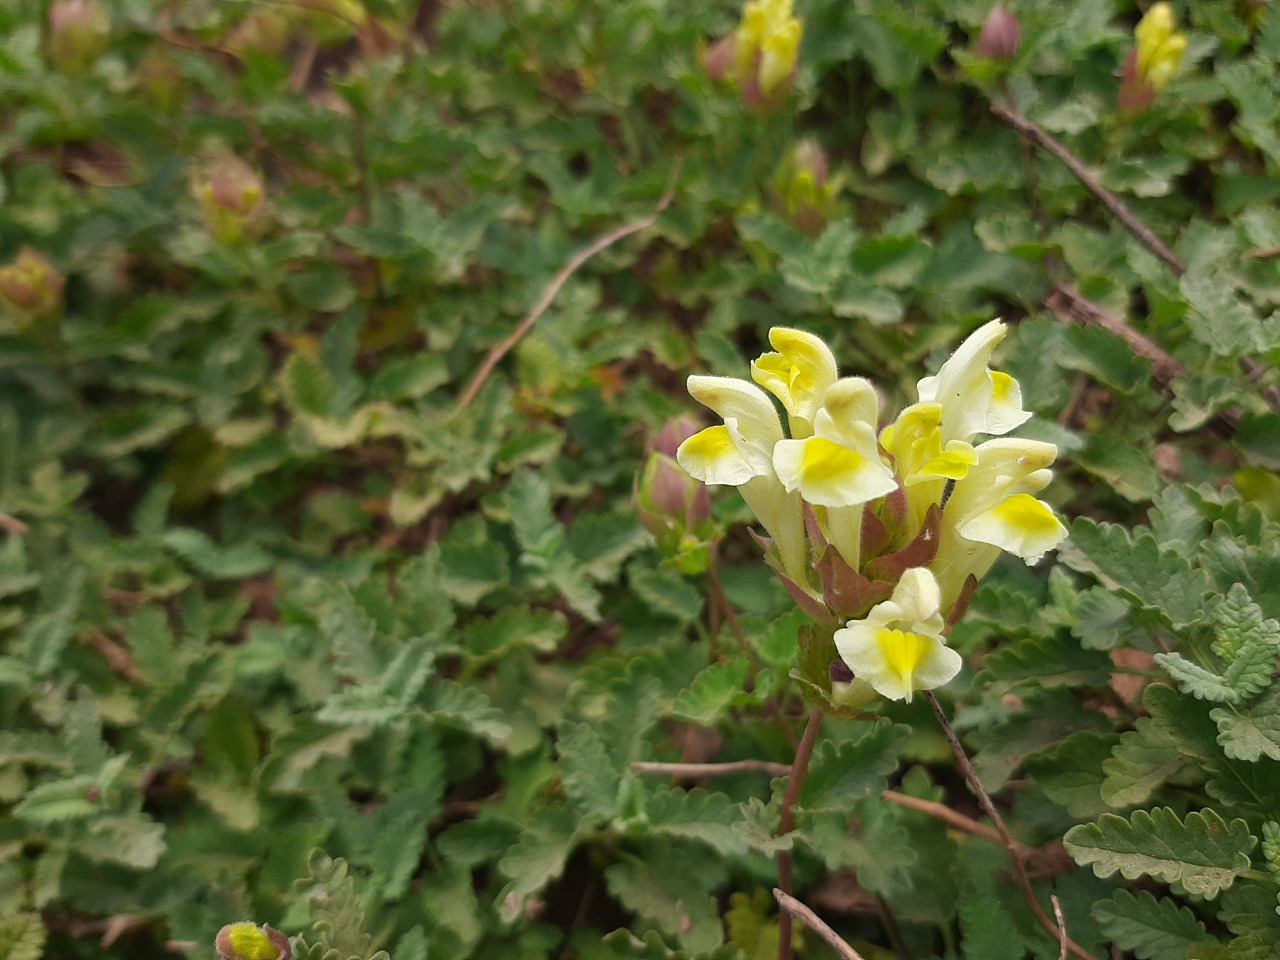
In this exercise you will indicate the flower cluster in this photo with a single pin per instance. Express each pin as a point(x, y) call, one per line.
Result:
point(759, 58)
point(888, 531)
point(1153, 60)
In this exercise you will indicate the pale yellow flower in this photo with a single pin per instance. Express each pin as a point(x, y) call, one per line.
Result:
point(898, 647)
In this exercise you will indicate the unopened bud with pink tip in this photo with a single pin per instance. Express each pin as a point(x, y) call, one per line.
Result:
point(804, 191)
point(30, 288)
point(1000, 35)
point(671, 505)
point(232, 196)
point(78, 33)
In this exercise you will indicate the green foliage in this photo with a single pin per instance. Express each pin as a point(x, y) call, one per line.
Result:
point(1201, 852)
point(296, 626)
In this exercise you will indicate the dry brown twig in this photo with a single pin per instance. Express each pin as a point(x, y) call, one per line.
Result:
point(1131, 222)
point(690, 771)
point(602, 242)
point(793, 907)
point(1062, 927)
point(1011, 844)
point(1119, 209)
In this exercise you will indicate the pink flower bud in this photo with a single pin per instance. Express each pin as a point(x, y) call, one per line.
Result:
point(1000, 34)
point(78, 33)
point(720, 58)
point(232, 197)
point(802, 190)
point(673, 433)
point(675, 508)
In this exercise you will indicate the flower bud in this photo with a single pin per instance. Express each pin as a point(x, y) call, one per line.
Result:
point(668, 499)
point(760, 57)
point(803, 192)
point(673, 433)
point(30, 288)
point(719, 58)
point(78, 33)
point(1160, 46)
point(673, 506)
point(232, 196)
point(248, 941)
point(1153, 60)
point(1000, 34)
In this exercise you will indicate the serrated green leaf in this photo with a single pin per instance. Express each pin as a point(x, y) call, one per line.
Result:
point(133, 840)
point(879, 849)
point(706, 817)
point(752, 927)
point(601, 542)
point(1219, 318)
point(1204, 853)
point(1103, 619)
point(666, 592)
point(590, 778)
point(307, 386)
point(1196, 680)
point(1072, 772)
point(410, 378)
point(537, 858)
point(1152, 929)
point(234, 562)
point(672, 891)
point(842, 773)
point(1251, 732)
point(1160, 579)
point(988, 930)
point(1046, 661)
point(713, 692)
point(59, 801)
point(758, 827)
point(468, 708)
point(514, 627)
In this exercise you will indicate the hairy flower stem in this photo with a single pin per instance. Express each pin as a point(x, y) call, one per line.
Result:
point(1011, 845)
point(786, 821)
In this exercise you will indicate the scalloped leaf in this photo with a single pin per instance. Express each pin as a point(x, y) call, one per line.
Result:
point(1045, 661)
point(842, 772)
point(713, 692)
point(1204, 852)
point(699, 815)
point(1159, 579)
point(1151, 928)
point(1252, 732)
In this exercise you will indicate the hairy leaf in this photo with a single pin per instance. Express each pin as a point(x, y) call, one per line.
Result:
point(1204, 852)
point(1153, 929)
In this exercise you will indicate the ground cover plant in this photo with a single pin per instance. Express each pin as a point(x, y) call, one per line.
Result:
point(359, 592)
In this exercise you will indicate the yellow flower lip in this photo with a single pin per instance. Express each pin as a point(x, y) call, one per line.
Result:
point(902, 652)
point(898, 647)
point(798, 374)
point(1019, 524)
